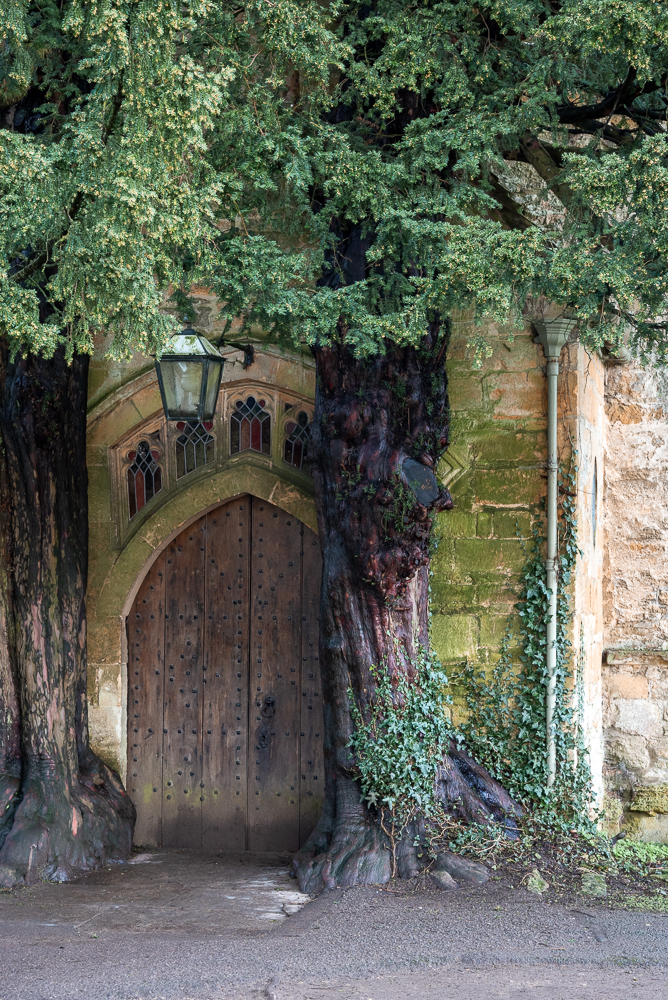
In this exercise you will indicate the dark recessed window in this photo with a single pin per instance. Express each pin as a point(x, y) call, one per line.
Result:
point(194, 446)
point(294, 452)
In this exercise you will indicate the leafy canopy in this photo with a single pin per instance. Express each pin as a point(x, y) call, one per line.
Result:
point(333, 167)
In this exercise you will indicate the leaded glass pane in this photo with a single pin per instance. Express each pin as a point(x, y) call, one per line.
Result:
point(294, 452)
point(194, 446)
point(250, 427)
point(144, 477)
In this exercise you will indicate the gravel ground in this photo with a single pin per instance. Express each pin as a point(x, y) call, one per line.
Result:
point(192, 927)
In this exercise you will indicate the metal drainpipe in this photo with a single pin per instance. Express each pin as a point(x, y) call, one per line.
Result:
point(552, 334)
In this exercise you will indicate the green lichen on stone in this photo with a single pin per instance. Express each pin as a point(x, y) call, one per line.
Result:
point(594, 884)
point(652, 799)
point(536, 883)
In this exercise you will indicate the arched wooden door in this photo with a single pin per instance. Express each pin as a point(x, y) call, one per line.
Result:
point(224, 706)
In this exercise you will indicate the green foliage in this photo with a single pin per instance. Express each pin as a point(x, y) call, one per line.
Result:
point(236, 144)
point(398, 513)
point(506, 728)
point(399, 742)
point(644, 859)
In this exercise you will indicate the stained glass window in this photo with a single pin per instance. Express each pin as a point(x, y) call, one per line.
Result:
point(250, 427)
point(295, 444)
point(194, 446)
point(144, 476)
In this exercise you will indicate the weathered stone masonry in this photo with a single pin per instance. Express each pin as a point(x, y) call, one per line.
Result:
point(615, 418)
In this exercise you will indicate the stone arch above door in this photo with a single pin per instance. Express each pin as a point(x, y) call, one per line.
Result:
point(110, 598)
point(117, 562)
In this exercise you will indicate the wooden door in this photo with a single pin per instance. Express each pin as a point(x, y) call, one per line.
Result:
point(224, 707)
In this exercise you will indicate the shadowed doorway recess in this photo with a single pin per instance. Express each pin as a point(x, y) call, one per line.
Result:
point(225, 706)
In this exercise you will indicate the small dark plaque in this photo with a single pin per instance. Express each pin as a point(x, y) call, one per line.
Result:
point(422, 481)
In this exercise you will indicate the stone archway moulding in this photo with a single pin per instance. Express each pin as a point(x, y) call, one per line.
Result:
point(124, 578)
point(185, 508)
point(115, 570)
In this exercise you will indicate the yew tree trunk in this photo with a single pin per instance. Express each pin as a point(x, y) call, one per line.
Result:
point(371, 416)
point(64, 810)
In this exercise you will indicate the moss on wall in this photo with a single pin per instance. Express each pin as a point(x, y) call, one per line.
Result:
point(498, 431)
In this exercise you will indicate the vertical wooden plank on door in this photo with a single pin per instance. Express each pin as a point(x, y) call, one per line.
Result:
point(145, 633)
point(225, 682)
point(312, 781)
point(275, 611)
point(184, 603)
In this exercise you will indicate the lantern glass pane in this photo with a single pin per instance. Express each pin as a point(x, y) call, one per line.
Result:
point(182, 384)
point(215, 370)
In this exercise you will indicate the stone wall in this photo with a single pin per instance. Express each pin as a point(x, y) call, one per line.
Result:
point(498, 435)
point(635, 582)
point(495, 467)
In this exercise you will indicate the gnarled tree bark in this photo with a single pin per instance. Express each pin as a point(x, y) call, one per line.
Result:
point(65, 811)
point(371, 416)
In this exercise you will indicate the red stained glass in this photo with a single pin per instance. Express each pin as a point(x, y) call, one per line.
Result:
point(140, 489)
point(144, 477)
point(250, 427)
point(256, 435)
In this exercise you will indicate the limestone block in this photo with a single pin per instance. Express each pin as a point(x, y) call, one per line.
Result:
point(656, 775)
point(628, 686)
point(454, 636)
point(465, 394)
point(105, 729)
point(624, 748)
point(648, 829)
point(638, 716)
point(517, 395)
point(658, 682)
point(109, 694)
point(614, 814)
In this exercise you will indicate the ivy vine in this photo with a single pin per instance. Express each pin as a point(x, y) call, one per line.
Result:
point(506, 728)
point(400, 740)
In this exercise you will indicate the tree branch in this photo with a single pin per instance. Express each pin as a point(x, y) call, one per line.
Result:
point(572, 113)
point(535, 153)
point(510, 212)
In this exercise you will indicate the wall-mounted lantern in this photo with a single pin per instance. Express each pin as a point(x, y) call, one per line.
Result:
point(189, 373)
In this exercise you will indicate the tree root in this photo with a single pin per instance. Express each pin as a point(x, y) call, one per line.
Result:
point(62, 828)
point(351, 846)
point(348, 848)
